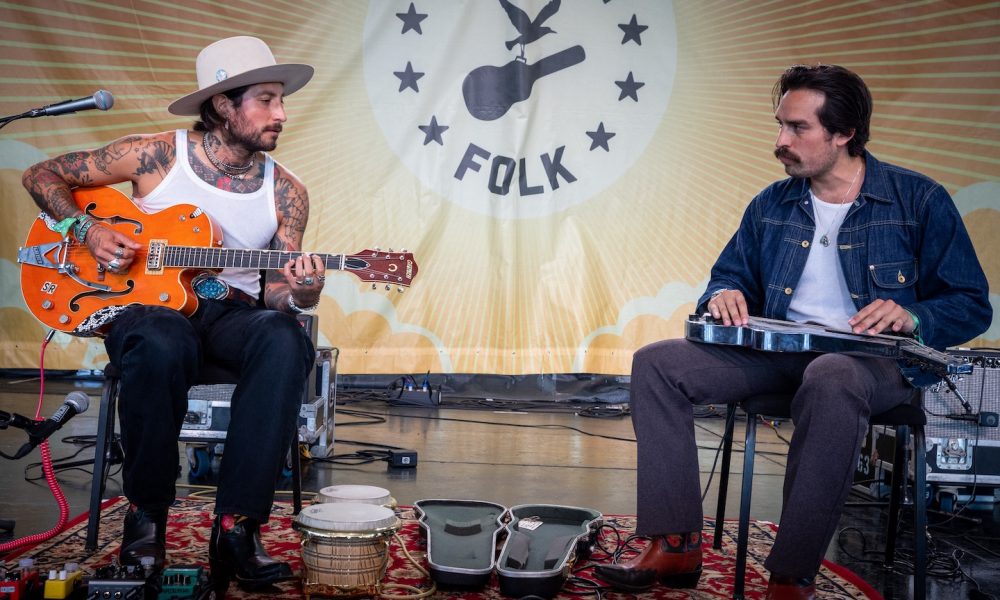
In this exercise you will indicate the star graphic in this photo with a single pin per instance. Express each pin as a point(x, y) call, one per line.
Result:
point(629, 87)
point(600, 137)
point(632, 31)
point(408, 78)
point(432, 132)
point(411, 20)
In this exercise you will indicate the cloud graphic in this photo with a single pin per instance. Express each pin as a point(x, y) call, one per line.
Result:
point(18, 155)
point(985, 194)
point(666, 302)
point(344, 290)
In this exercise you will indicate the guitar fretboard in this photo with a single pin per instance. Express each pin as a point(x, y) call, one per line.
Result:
point(221, 258)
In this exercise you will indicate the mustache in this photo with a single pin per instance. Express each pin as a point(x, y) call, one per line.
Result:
point(784, 152)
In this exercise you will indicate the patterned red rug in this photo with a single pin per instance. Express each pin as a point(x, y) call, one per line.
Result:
point(191, 520)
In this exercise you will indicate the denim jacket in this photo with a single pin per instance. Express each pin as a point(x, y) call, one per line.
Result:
point(903, 240)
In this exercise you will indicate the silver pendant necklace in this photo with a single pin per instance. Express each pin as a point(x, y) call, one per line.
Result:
point(825, 240)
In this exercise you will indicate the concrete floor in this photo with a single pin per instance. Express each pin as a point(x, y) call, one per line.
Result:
point(510, 454)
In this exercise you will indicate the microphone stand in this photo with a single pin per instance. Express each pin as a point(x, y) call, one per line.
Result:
point(8, 119)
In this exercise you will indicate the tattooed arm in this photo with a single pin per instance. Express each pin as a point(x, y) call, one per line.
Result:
point(300, 283)
point(142, 159)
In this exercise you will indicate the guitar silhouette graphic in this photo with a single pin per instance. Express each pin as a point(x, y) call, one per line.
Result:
point(490, 91)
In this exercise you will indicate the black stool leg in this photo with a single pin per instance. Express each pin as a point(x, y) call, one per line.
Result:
point(919, 514)
point(296, 475)
point(899, 475)
point(727, 454)
point(102, 448)
point(742, 539)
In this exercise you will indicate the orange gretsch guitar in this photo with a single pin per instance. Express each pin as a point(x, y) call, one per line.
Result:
point(67, 290)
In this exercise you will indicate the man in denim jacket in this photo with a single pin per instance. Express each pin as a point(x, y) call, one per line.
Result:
point(848, 242)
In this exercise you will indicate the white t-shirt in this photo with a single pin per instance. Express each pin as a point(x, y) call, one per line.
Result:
point(821, 296)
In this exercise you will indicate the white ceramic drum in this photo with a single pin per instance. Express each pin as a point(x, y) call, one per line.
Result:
point(361, 494)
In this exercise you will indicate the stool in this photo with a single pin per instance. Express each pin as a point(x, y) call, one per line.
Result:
point(905, 419)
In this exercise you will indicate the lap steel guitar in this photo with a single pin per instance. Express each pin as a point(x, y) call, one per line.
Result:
point(773, 335)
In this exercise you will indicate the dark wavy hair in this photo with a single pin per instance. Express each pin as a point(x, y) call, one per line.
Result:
point(848, 105)
point(210, 118)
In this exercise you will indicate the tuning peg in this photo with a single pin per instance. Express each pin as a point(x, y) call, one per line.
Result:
point(388, 287)
point(374, 287)
point(403, 250)
point(400, 289)
point(390, 250)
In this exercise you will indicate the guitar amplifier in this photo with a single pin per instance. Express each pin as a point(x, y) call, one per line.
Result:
point(962, 438)
point(976, 418)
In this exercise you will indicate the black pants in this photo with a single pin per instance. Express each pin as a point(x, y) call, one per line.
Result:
point(835, 394)
point(159, 352)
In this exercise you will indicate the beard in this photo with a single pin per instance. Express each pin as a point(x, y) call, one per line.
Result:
point(241, 133)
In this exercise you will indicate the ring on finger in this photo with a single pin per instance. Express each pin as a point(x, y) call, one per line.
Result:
point(321, 278)
point(113, 264)
point(309, 280)
point(119, 251)
point(299, 282)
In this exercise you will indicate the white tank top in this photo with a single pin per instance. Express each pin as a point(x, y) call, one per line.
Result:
point(247, 220)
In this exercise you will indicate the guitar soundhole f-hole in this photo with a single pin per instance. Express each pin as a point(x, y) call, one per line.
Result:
point(74, 302)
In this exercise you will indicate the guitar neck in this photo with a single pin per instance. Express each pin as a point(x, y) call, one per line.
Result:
point(221, 258)
point(557, 62)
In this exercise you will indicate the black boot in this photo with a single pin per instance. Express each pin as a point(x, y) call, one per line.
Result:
point(235, 552)
point(144, 534)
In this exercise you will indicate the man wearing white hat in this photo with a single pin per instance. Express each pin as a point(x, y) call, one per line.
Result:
point(222, 167)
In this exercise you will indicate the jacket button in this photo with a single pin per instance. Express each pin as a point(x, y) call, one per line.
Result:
point(788, 291)
point(805, 243)
point(900, 277)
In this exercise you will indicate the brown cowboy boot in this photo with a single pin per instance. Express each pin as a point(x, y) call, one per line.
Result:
point(790, 588)
point(673, 559)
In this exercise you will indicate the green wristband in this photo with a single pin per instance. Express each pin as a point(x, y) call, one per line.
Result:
point(62, 227)
point(916, 326)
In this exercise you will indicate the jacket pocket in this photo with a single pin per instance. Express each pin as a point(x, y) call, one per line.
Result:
point(894, 275)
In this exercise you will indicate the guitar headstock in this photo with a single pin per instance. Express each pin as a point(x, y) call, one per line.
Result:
point(383, 268)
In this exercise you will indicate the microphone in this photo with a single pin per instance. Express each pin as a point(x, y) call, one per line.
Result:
point(101, 100)
point(76, 402)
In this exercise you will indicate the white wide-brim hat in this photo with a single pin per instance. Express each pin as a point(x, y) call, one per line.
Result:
point(235, 62)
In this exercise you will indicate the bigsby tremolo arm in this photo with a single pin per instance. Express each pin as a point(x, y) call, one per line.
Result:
point(39, 256)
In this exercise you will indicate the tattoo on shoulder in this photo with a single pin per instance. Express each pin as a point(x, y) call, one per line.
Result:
point(293, 204)
point(117, 150)
point(155, 157)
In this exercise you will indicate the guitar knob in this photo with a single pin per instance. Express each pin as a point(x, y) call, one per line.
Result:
point(47, 305)
point(64, 319)
point(164, 297)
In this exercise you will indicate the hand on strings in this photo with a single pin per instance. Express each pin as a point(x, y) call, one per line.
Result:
point(305, 275)
point(730, 307)
point(882, 315)
point(112, 249)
